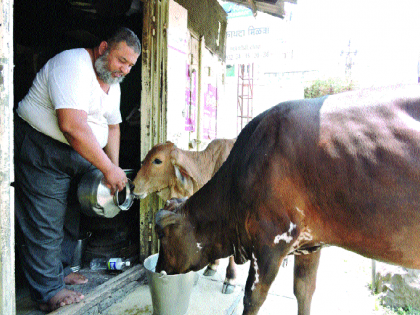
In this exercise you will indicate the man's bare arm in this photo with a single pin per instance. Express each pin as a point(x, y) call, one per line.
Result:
point(73, 124)
point(112, 148)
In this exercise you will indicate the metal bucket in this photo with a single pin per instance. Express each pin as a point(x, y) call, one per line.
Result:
point(170, 294)
point(95, 197)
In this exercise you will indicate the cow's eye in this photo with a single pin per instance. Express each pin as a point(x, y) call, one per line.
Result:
point(157, 161)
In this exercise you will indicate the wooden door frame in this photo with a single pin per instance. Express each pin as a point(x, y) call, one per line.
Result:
point(153, 108)
point(7, 230)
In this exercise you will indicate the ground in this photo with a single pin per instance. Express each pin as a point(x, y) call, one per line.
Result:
point(342, 288)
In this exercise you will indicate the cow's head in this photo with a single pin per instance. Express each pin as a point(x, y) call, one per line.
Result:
point(179, 250)
point(161, 172)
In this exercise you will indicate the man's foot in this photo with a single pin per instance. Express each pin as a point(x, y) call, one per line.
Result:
point(75, 278)
point(62, 298)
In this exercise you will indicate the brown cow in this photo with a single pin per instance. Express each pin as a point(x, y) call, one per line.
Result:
point(176, 173)
point(342, 170)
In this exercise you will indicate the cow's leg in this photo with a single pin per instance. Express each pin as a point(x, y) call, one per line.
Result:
point(305, 270)
point(211, 268)
point(262, 272)
point(229, 284)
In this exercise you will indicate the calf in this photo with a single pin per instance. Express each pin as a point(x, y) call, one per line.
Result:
point(176, 173)
point(342, 170)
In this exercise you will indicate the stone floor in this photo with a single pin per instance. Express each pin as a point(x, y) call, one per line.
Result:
point(342, 288)
point(25, 306)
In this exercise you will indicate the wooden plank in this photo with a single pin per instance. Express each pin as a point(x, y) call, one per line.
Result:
point(102, 292)
point(153, 107)
point(7, 242)
point(145, 113)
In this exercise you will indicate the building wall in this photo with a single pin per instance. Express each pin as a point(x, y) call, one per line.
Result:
point(207, 19)
point(195, 70)
point(178, 38)
point(263, 44)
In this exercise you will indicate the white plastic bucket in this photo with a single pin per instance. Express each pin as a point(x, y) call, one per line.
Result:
point(170, 293)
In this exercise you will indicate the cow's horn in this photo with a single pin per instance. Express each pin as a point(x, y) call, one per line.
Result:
point(165, 218)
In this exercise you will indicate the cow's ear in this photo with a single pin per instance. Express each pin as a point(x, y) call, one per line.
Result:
point(165, 218)
point(181, 174)
point(185, 181)
point(183, 161)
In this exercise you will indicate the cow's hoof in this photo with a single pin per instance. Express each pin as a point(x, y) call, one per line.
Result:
point(209, 272)
point(228, 288)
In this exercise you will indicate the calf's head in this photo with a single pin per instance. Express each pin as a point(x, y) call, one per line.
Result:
point(163, 173)
point(179, 250)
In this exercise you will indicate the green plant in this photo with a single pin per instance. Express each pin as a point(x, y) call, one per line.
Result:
point(330, 86)
point(402, 311)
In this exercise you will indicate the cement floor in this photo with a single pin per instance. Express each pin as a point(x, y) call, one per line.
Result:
point(342, 288)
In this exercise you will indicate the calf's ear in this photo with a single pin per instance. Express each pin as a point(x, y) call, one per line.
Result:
point(183, 161)
point(182, 176)
point(182, 172)
point(165, 218)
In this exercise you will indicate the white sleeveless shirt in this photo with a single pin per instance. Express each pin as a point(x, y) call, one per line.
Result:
point(68, 80)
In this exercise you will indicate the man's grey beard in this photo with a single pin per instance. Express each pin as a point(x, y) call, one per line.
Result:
point(101, 67)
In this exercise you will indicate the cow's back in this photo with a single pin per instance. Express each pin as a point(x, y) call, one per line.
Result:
point(368, 170)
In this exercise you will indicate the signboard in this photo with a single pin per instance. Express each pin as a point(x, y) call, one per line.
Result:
point(235, 10)
point(262, 39)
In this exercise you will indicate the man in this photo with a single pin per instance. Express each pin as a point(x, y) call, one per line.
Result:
point(67, 124)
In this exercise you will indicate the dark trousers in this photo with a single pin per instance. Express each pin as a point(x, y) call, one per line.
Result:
point(47, 211)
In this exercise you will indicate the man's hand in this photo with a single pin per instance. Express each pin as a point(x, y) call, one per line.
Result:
point(115, 179)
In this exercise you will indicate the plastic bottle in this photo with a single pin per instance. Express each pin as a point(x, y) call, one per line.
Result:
point(109, 264)
point(117, 264)
point(99, 264)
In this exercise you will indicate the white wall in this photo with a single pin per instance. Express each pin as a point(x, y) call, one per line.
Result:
point(177, 79)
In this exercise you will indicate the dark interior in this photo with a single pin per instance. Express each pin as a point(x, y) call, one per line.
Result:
point(41, 30)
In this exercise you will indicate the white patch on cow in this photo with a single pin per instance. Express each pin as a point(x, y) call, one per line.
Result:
point(304, 237)
point(300, 211)
point(286, 236)
point(199, 246)
point(257, 276)
point(230, 281)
